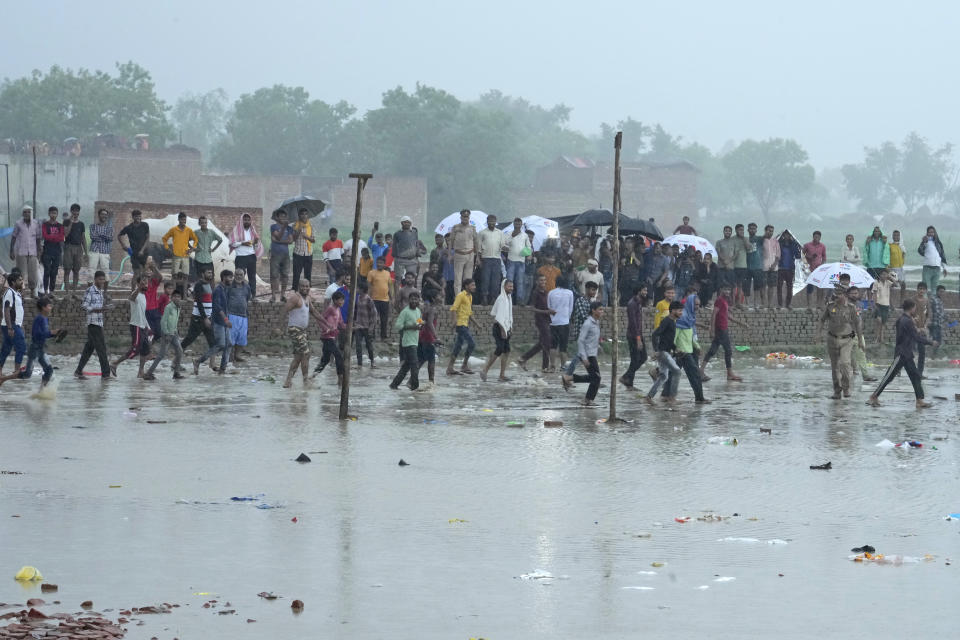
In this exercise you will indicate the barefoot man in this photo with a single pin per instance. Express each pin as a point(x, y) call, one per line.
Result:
point(299, 311)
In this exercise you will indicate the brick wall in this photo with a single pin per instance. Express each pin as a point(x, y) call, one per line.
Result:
point(788, 330)
point(223, 217)
point(385, 200)
point(166, 176)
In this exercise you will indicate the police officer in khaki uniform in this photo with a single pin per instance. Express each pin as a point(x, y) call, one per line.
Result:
point(840, 318)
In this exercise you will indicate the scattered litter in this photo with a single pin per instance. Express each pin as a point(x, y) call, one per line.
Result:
point(953, 516)
point(86, 604)
point(11, 473)
point(703, 587)
point(302, 458)
point(253, 498)
point(826, 466)
point(774, 541)
point(909, 444)
point(297, 605)
point(658, 564)
point(156, 422)
point(116, 486)
point(316, 452)
point(46, 587)
point(724, 579)
point(129, 414)
point(456, 520)
point(293, 519)
point(647, 573)
point(641, 534)
point(939, 397)
point(487, 410)
point(885, 444)
point(403, 463)
point(268, 595)
point(639, 588)
point(895, 560)
point(515, 423)
point(723, 440)
point(769, 432)
point(28, 574)
point(553, 423)
point(202, 593)
point(264, 378)
point(864, 549)
point(537, 574)
point(742, 348)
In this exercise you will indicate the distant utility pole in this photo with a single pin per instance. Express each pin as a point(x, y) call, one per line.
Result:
point(6, 170)
point(615, 285)
point(352, 302)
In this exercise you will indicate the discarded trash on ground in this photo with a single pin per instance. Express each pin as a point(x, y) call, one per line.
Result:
point(28, 574)
point(826, 466)
point(723, 440)
point(864, 549)
point(456, 520)
point(302, 458)
point(403, 463)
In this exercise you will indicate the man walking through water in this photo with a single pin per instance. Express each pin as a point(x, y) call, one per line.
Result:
point(907, 340)
point(221, 326)
point(588, 345)
point(331, 322)
point(638, 347)
point(463, 315)
point(719, 330)
point(408, 324)
point(94, 303)
point(502, 313)
point(840, 318)
point(299, 310)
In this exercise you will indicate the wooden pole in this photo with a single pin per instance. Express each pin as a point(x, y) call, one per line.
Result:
point(352, 308)
point(34, 203)
point(615, 285)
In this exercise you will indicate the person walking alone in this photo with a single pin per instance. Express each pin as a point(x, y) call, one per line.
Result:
point(588, 346)
point(408, 323)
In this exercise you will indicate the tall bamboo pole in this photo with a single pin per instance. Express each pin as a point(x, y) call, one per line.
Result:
point(615, 285)
point(352, 302)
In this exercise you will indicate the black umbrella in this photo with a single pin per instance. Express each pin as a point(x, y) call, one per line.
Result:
point(293, 205)
point(604, 218)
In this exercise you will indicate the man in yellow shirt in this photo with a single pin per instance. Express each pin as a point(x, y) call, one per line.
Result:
point(184, 242)
point(663, 307)
point(302, 247)
point(381, 290)
point(463, 315)
point(896, 262)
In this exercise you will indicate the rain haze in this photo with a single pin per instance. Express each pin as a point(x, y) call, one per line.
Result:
point(834, 76)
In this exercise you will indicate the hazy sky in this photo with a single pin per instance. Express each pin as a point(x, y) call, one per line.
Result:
point(834, 75)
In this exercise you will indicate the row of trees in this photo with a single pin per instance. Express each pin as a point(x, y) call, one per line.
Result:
point(474, 152)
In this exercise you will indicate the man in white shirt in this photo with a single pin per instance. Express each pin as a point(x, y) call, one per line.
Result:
point(518, 248)
point(139, 329)
point(491, 243)
point(560, 300)
point(851, 252)
point(934, 260)
point(12, 323)
point(590, 274)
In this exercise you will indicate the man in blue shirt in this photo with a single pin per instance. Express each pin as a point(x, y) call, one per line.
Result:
point(379, 247)
point(755, 274)
point(38, 340)
point(281, 237)
point(221, 326)
point(789, 254)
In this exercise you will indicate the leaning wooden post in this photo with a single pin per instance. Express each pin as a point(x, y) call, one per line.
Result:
point(352, 302)
point(614, 286)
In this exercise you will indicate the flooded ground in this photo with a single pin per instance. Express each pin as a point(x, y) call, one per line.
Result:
point(125, 500)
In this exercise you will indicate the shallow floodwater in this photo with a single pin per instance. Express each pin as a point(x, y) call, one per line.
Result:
point(439, 548)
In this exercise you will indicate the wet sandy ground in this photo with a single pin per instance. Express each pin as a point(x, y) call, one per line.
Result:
point(460, 543)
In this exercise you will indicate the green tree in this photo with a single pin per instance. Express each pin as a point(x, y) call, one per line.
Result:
point(769, 171)
point(635, 140)
point(63, 103)
point(200, 119)
point(281, 130)
point(912, 174)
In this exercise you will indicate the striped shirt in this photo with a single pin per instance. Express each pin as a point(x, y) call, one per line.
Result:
point(101, 238)
point(93, 299)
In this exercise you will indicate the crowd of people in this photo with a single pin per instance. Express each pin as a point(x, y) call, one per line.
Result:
point(567, 282)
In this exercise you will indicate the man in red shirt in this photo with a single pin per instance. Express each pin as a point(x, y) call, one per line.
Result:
point(815, 253)
point(154, 312)
point(719, 331)
point(53, 237)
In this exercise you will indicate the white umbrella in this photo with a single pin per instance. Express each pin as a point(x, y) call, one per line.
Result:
point(477, 218)
point(685, 240)
point(543, 229)
point(826, 276)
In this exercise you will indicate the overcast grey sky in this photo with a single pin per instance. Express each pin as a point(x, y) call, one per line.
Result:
point(834, 75)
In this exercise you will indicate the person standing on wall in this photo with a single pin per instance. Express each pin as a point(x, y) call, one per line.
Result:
point(934, 259)
point(407, 249)
point(208, 241)
point(281, 237)
point(25, 247)
point(302, 247)
point(490, 245)
point(52, 254)
point(136, 236)
point(246, 246)
point(465, 247)
point(182, 241)
point(74, 247)
point(101, 242)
